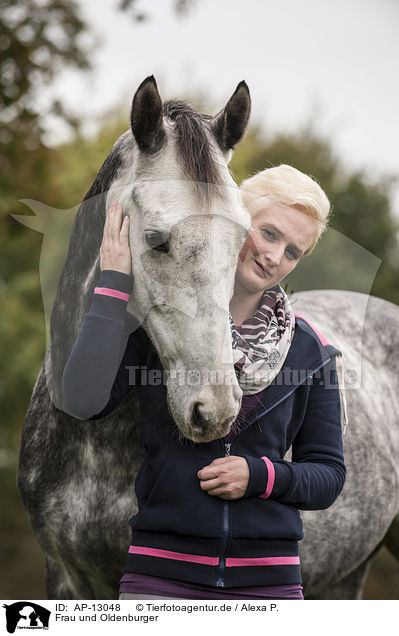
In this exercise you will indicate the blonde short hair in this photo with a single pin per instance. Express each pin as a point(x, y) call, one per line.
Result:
point(286, 185)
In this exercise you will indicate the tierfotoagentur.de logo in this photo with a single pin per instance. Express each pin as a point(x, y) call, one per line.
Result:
point(26, 615)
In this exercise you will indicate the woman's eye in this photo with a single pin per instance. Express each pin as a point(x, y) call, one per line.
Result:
point(268, 234)
point(156, 240)
point(292, 255)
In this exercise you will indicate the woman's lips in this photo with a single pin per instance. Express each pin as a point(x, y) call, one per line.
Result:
point(262, 269)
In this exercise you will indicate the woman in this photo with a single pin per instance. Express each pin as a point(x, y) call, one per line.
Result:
point(220, 520)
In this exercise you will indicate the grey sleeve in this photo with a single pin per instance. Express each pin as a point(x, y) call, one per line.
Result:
point(94, 378)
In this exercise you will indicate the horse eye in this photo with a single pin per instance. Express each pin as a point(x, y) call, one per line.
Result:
point(156, 240)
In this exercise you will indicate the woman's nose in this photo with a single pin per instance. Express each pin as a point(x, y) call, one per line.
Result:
point(274, 254)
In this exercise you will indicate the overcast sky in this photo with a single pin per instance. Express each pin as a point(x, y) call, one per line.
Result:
point(338, 60)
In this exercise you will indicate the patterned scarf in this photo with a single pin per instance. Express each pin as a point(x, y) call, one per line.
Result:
point(261, 343)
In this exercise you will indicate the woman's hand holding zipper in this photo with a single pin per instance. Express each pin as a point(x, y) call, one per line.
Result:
point(225, 477)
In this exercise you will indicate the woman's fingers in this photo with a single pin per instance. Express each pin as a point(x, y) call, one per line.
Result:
point(210, 484)
point(114, 228)
point(115, 249)
point(116, 214)
point(220, 489)
point(109, 218)
point(209, 472)
point(225, 477)
point(124, 233)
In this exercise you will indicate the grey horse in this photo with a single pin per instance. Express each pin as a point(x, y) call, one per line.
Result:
point(187, 227)
point(76, 477)
point(340, 542)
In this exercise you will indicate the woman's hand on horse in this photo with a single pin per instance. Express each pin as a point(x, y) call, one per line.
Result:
point(115, 251)
point(225, 477)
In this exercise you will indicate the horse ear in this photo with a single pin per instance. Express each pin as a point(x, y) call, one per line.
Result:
point(229, 125)
point(146, 117)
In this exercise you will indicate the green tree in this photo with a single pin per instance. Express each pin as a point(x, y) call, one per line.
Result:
point(38, 38)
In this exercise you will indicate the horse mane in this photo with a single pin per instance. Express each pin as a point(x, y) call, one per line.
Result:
point(193, 147)
point(106, 174)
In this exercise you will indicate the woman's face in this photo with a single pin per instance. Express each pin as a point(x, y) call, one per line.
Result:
point(279, 237)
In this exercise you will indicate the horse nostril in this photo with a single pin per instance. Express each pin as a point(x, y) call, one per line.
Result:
point(201, 417)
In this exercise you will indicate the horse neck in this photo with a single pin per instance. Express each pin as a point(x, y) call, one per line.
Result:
point(79, 275)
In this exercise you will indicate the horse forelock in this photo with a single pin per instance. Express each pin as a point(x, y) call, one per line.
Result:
point(194, 148)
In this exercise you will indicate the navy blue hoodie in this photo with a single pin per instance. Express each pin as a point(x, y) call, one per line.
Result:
point(180, 531)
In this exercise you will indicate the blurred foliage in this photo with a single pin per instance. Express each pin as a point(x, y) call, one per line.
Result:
point(37, 39)
point(180, 7)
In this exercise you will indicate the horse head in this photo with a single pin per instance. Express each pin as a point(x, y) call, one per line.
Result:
point(187, 226)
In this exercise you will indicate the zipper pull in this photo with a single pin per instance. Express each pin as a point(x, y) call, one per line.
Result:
point(227, 449)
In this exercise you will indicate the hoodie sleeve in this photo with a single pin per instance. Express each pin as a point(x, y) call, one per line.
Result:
point(316, 475)
point(98, 373)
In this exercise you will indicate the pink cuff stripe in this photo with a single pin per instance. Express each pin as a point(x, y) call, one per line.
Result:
point(281, 560)
point(178, 556)
point(106, 291)
point(270, 478)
